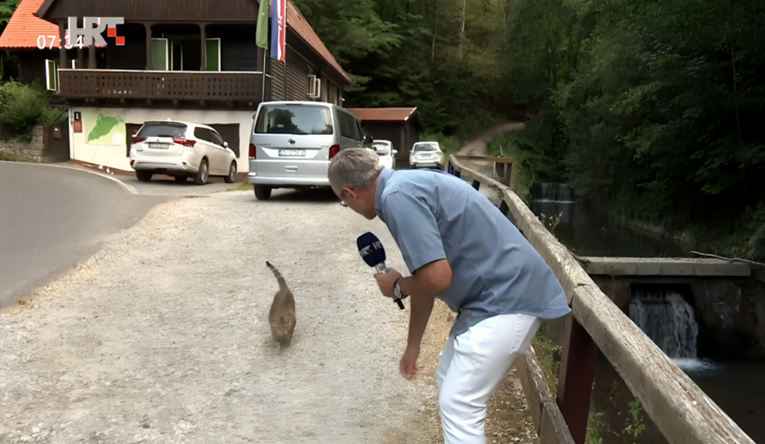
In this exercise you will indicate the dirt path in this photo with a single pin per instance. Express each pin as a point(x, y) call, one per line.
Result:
point(163, 337)
point(477, 145)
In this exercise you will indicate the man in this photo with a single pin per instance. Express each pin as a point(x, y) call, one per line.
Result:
point(461, 248)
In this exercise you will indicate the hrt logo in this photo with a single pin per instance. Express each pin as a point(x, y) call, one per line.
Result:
point(369, 249)
point(92, 29)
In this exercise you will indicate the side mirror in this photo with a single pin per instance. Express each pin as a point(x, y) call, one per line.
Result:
point(225, 144)
point(395, 151)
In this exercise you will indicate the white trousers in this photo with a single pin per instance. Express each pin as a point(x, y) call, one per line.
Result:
point(472, 366)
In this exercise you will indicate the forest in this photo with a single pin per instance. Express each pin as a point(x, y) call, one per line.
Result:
point(653, 109)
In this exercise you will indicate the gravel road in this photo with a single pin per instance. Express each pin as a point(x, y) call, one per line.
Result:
point(163, 337)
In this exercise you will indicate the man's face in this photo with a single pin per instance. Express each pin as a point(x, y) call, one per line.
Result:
point(361, 201)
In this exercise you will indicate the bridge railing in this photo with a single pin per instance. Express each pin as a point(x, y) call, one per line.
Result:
point(679, 408)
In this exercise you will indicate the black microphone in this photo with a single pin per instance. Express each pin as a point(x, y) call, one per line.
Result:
point(373, 253)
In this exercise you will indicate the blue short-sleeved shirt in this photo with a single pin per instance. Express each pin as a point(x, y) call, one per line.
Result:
point(433, 215)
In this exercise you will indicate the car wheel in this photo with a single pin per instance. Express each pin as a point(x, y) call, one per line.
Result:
point(262, 192)
point(201, 177)
point(231, 178)
point(143, 176)
point(181, 179)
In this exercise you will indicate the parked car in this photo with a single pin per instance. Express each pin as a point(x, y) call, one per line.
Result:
point(426, 155)
point(384, 149)
point(292, 143)
point(182, 150)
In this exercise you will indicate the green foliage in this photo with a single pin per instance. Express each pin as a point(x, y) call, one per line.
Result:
point(22, 107)
point(635, 426)
point(25, 106)
point(652, 108)
point(407, 53)
point(549, 356)
point(7, 7)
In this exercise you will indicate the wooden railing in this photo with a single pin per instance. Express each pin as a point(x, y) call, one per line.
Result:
point(162, 85)
point(679, 408)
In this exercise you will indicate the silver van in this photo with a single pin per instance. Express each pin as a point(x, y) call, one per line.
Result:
point(292, 143)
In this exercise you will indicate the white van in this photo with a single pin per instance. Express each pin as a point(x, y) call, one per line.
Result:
point(292, 143)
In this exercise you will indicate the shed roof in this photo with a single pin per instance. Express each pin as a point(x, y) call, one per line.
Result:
point(386, 114)
point(25, 28)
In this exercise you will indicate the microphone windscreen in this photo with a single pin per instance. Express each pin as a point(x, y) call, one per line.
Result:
point(370, 249)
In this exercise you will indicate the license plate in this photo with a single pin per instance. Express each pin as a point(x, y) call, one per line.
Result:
point(292, 153)
point(159, 146)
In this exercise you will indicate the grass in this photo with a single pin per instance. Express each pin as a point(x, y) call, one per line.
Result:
point(244, 186)
point(8, 158)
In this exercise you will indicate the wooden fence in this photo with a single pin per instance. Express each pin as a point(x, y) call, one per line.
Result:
point(679, 408)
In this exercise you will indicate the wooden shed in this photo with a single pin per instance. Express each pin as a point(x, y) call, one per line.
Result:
point(402, 126)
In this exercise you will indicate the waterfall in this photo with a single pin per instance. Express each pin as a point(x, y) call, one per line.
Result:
point(668, 320)
point(552, 192)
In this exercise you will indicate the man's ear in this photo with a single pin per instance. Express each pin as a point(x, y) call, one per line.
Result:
point(350, 192)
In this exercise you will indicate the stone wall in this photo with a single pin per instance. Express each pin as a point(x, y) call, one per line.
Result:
point(31, 151)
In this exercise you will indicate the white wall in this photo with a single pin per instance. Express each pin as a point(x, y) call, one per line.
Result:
point(114, 156)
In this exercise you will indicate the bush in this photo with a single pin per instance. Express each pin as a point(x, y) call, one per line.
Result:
point(25, 106)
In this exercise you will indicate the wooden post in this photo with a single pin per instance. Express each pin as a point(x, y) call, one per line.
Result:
point(63, 62)
point(203, 38)
point(149, 47)
point(92, 62)
point(577, 370)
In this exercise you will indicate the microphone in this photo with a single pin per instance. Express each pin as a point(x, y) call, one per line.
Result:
point(373, 253)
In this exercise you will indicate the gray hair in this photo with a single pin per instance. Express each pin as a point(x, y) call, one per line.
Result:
point(353, 167)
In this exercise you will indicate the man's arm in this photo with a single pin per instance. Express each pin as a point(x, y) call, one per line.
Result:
point(428, 281)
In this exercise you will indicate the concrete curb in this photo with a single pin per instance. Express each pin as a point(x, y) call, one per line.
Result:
point(127, 187)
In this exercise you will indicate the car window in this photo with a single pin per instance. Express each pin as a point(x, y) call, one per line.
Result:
point(425, 147)
point(217, 139)
point(203, 134)
point(348, 128)
point(162, 130)
point(294, 119)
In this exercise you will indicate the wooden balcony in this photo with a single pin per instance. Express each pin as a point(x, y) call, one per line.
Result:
point(203, 86)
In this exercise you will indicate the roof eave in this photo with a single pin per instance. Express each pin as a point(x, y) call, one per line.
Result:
point(44, 8)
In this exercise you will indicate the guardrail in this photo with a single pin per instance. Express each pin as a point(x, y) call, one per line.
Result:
point(679, 408)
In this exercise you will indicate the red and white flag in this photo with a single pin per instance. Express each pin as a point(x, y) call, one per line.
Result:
point(278, 29)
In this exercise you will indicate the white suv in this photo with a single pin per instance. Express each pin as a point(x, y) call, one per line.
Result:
point(426, 155)
point(182, 150)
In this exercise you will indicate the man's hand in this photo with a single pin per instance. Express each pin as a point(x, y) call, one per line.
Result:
point(408, 364)
point(386, 280)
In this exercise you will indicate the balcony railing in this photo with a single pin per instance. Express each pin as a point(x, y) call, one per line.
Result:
point(217, 86)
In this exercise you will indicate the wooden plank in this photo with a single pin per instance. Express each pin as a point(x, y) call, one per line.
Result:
point(484, 158)
point(678, 407)
point(548, 420)
point(554, 429)
point(638, 266)
point(577, 371)
point(534, 385)
point(568, 271)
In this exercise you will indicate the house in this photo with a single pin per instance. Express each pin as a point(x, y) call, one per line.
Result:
point(402, 126)
point(180, 60)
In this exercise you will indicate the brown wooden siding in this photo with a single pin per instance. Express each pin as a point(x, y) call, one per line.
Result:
point(297, 76)
point(153, 10)
point(277, 80)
